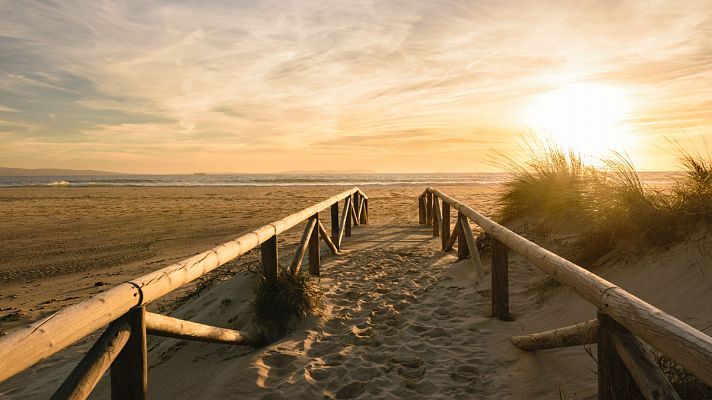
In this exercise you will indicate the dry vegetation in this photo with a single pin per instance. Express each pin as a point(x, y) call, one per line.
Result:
point(611, 207)
point(610, 203)
point(280, 303)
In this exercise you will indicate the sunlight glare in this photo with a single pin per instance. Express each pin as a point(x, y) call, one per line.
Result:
point(589, 119)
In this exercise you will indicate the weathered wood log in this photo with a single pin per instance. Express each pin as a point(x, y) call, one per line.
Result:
point(445, 225)
point(325, 237)
point(162, 325)
point(314, 250)
point(614, 380)
point(437, 221)
point(572, 335)
point(463, 250)
point(335, 230)
point(129, 371)
point(82, 380)
point(650, 380)
point(302, 246)
point(472, 246)
point(24, 346)
point(421, 209)
point(269, 257)
point(454, 236)
point(684, 344)
point(500, 280)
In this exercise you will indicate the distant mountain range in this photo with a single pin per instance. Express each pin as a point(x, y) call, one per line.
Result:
point(53, 172)
point(90, 172)
point(330, 172)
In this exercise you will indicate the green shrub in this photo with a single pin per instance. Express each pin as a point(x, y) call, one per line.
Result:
point(282, 301)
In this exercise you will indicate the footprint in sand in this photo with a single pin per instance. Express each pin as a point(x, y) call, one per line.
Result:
point(464, 374)
point(351, 390)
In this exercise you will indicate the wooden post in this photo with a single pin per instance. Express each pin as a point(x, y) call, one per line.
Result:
point(352, 209)
point(421, 209)
point(454, 236)
point(445, 228)
point(436, 222)
point(463, 251)
point(129, 372)
point(614, 380)
point(335, 224)
point(303, 245)
point(347, 208)
point(314, 256)
point(466, 229)
point(269, 254)
point(500, 280)
point(429, 208)
point(92, 367)
point(364, 212)
point(367, 212)
point(649, 378)
point(327, 239)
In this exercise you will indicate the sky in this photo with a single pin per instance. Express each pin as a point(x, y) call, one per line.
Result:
point(385, 86)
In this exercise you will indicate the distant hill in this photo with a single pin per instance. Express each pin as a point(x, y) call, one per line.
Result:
point(53, 172)
point(329, 172)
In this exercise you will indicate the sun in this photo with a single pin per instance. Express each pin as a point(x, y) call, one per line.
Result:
point(589, 119)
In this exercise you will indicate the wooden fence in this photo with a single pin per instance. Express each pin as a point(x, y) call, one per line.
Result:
point(625, 367)
point(122, 346)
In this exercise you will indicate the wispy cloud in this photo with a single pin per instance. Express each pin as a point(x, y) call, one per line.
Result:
point(277, 85)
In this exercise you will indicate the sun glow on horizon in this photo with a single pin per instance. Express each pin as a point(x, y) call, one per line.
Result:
point(589, 119)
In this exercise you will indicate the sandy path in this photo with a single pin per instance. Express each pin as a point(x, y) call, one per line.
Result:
point(399, 328)
point(403, 321)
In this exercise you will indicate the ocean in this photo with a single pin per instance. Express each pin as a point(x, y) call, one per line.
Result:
point(249, 180)
point(277, 179)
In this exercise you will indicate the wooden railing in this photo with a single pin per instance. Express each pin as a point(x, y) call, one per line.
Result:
point(122, 346)
point(625, 367)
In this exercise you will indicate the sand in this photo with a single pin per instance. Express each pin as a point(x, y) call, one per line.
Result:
point(403, 319)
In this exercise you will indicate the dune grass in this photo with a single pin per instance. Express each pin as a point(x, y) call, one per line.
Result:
point(609, 204)
point(693, 191)
point(553, 183)
point(282, 301)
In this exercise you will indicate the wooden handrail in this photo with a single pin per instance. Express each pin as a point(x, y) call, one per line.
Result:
point(25, 346)
point(684, 344)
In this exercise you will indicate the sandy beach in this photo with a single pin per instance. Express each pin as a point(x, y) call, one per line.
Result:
point(402, 320)
point(61, 245)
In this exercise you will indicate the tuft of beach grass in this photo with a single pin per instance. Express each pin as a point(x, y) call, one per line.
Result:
point(610, 203)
